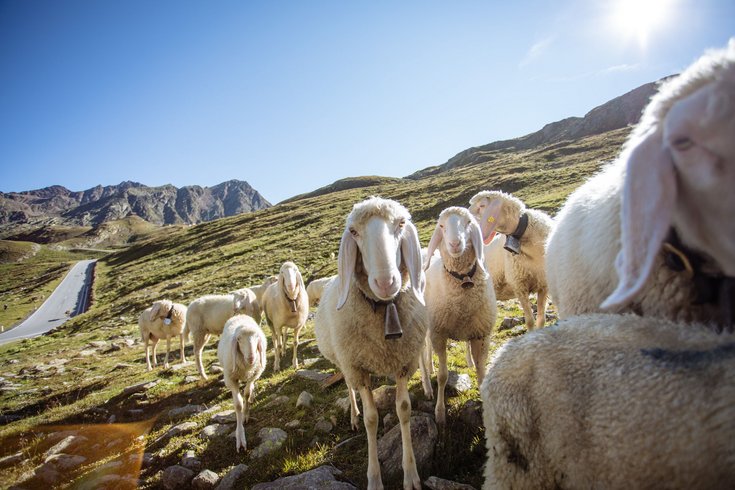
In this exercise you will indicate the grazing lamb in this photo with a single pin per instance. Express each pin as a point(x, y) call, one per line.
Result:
point(371, 322)
point(286, 305)
point(459, 294)
point(518, 269)
point(316, 288)
point(208, 314)
point(162, 320)
point(653, 233)
point(612, 401)
point(241, 351)
point(249, 303)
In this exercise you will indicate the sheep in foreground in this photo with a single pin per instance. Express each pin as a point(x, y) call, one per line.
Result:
point(163, 320)
point(207, 316)
point(459, 294)
point(653, 233)
point(241, 351)
point(315, 289)
point(522, 271)
point(611, 401)
point(371, 322)
point(286, 305)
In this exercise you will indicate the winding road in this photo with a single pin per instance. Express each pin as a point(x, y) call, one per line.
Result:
point(68, 299)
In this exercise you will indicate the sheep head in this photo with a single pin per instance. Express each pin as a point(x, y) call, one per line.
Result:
point(455, 229)
point(269, 280)
point(496, 211)
point(240, 300)
point(248, 347)
point(160, 309)
point(290, 281)
point(380, 230)
point(680, 173)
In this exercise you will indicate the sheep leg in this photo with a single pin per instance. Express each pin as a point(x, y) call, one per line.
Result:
point(199, 341)
point(541, 308)
point(276, 349)
point(354, 411)
point(424, 361)
point(371, 427)
point(468, 356)
point(183, 357)
point(295, 346)
point(155, 344)
point(411, 480)
point(147, 353)
point(168, 348)
point(251, 395)
point(479, 349)
point(249, 392)
point(440, 346)
point(239, 413)
point(527, 309)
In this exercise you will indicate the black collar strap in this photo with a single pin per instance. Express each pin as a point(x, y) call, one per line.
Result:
point(374, 303)
point(710, 289)
point(521, 228)
point(170, 312)
point(465, 278)
point(513, 241)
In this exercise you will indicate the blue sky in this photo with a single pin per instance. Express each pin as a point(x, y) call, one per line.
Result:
point(291, 96)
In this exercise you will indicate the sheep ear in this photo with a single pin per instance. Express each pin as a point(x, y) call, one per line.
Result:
point(300, 279)
point(649, 197)
point(261, 351)
point(155, 309)
point(238, 303)
point(346, 265)
point(436, 239)
point(235, 351)
point(476, 239)
point(411, 256)
point(489, 220)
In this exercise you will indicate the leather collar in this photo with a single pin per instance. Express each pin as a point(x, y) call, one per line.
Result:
point(465, 278)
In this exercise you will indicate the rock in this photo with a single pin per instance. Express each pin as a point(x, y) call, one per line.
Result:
point(322, 477)
point(458, 383)
point(471, 413)
point(88, 352)
point(176, 476)
point(343, 404)
point(190, 460)
point(226, 417)
point(324, 426)
point(520, 329)
point(140, 387)
point(385, 398)
point(66, 462)
point(177, 430)
point(424, 435)
point(279, 400)
point(312, 360)
point(185, 411)
point(205, 480)
point(212, 409)
point(215, 430)
point(11, 460)
point(312, 375)
point(271, 440)
point(305, 399)
point(178, 367)
point(136, 412)
point(435, 483)
point(47, 473)
point(216, 369)
point(229, 481)
point(293, 424)
point(191, 379)
point(390, 420)
point(67, 444)
point(113, 348)
point(98, 344)
point(426, 406)
point(510, 322)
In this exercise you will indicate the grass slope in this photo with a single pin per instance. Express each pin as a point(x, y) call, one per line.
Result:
point(83, 388)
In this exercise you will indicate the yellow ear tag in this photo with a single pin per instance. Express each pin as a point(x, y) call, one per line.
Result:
point(491, 219)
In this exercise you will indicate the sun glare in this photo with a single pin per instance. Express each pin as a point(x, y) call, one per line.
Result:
point(638, 20)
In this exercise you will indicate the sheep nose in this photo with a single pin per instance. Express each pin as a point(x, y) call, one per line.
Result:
point(454, 244)
point(386, 286)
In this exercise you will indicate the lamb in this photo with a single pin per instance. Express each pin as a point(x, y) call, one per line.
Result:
point(316, 288)
point(241, 351)
point(208, 314)
point(459, 294)
point(371, 321)
point(162, 320)
point(519, 269)
point(653, 233)
point(612, 401)
point(249, 303)
point(286, 305)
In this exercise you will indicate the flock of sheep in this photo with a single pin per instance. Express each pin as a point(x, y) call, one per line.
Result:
point(632, 388)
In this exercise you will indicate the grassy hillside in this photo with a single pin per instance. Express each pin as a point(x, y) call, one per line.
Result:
point(85, 387)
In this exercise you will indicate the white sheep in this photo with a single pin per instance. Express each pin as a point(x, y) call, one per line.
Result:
point(249, 303)
point(207, 316)
point(611, 401)
point(459, 294)
point(241, 352)
point(370, 321)
point(522, 271)
point(260, 289)
point(316, 288)
point(653, 233)
point(163, 320)
point(286, 305)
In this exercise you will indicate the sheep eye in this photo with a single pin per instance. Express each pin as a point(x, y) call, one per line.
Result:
point(353, 232)
point(683, 143)
point(401, 224)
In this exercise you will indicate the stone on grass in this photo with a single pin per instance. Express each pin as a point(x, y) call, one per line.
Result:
point(271, 440)
point(226, 417)
point(279, 400)
point(215, 430)
point(293, 424)
point(191, 379)
point(471, 414)
point(312, 375)
point(88, 352)
point(177, 430)
point(229, 481)
point(11, 460)
point(390, 420)
point(176, 477)
point(322, 477)
point(140, 387)
point(343, 404)
point(185, 411)
point(66, 462)
point(66, 444)
point(305, 399)
point(458, 383)
point(324, 426)
point(190, 460)
point(436, 483)
point(216, 369)
point(205, 480)
point(424, 435)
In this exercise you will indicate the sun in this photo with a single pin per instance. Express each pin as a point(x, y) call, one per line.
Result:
point(638, 20)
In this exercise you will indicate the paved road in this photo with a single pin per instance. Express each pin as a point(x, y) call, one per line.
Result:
point(68, 299)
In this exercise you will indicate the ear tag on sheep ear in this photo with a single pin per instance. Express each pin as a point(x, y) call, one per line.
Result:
point(467, 283)
point(167, 321)
point(393, 329)
point(292, 302)
point(512, 245)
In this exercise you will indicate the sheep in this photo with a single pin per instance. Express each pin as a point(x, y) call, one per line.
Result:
point(241, 352)
point(208, 314)
point(286, 305)
point(250, 303)
point(371, 320)
point(459, 294)
point(611, 401)
point(519, 269)
point(260, 290)
point(316, 288)
point(163, 319)
point(652, 233)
